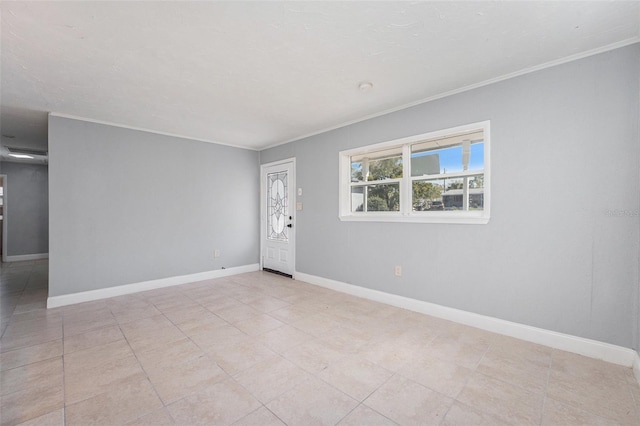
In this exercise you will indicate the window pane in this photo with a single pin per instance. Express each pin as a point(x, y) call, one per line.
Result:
point(427, 195)
point(357, 198)
point(357, 171)
point(451, 159)
point(377, 198)
point(377, 166)
point(448, 194)
point(385, 168)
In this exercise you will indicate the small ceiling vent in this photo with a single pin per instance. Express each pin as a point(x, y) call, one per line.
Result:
point(27, 151)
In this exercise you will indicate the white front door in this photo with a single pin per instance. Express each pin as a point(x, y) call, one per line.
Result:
point(278, 213)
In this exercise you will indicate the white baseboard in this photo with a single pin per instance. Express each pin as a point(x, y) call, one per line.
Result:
point(104, 293)
point(23, 257)
point(566, 342)
point(636, 367)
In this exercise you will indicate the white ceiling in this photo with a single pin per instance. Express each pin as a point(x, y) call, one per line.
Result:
point(256, 74)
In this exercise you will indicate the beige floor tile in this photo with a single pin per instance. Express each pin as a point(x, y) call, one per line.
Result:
point(86, 383)
point(261, 417)
point(216, 303)
point(189, 314)
point(53, 418)
point(594, 394)
point(172, 301)
point(207, 338)
point(291, 314)
point(220, 404)
point(511, 403)
point(97, 337)
point(158, 417)
point(29, 307)
point(236, 357)
point(270, 378)
point(184, 377)
point(519, 363)
point(98, 369)
point(284, 338)
point(30, 402)
point(557, 413)
point(312, 402)
point(160, 359)
point(86, 307)
point(132, 399)
point(30, 354)
point(138, 330)
point(314, 356)
point(460, 346)
point(238, 313)
point(445, 377)
point(266, 304)
point(317, 324)
point(133, 314)
point(143, 335)
point(390, 353)
point(589, 368)
point(258, 324)
point(40, 314)
point(355, 376)
point(12, 340)
point(205, 321)
point(462, 415)
point(43, 374)
point(96, 356)
point(41, 323)
point(363, 415)
point(84, 321)
point(346, 339)
point(409, 403)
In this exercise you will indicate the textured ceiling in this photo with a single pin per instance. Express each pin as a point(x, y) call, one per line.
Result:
point(255, 74)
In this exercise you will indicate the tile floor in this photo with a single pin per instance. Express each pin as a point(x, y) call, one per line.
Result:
point(259, 349)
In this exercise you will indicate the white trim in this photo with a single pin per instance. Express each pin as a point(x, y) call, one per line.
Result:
point(454, 218)
point(142, 129)
point(104, 293)
point(587, 347)
point(24, 257)
point(514, 74)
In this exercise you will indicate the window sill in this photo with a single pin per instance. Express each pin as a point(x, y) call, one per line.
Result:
point(455, 218)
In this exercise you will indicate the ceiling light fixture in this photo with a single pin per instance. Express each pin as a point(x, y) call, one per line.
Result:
point(365, 86)
point(21, 156)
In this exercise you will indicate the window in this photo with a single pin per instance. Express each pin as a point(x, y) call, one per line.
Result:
point(439, 177)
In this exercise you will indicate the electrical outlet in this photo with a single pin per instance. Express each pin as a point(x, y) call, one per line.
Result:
point(398, 270)
point(216, 253)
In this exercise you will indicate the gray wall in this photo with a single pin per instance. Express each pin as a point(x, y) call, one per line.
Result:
point(565, 151)
point(128, 206)
point(27, 208)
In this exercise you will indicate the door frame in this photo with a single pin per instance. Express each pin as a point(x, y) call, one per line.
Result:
point(292, 210)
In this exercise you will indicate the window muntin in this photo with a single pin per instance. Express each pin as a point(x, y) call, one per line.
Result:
point(437, 177)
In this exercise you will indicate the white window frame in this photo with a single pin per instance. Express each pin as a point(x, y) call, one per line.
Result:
point(406, 214)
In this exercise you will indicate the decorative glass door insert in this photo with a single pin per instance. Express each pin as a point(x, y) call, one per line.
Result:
point(277, 206)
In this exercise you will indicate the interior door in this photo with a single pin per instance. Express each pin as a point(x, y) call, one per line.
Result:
point(278, 201)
